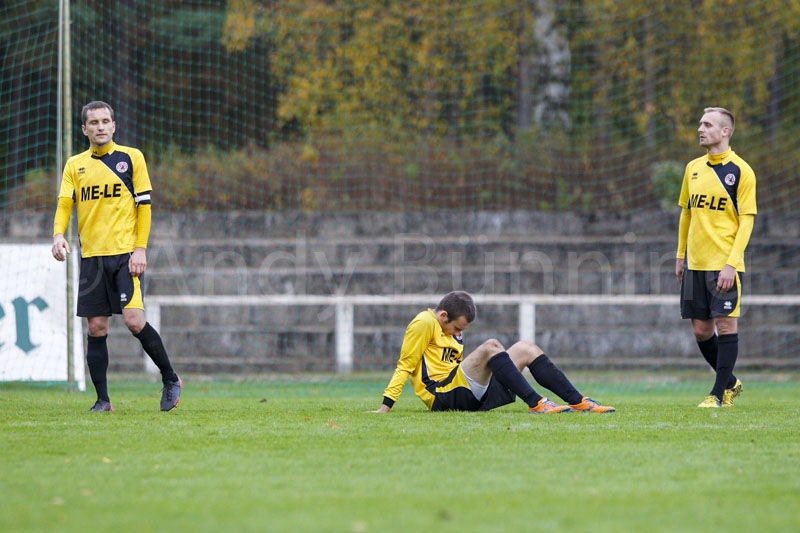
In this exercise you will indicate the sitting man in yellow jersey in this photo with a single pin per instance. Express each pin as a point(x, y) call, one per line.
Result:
point(111, 188)
point(718, 197)
point(487, 378)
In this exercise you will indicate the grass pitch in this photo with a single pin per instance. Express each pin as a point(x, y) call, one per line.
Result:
point(283, 456)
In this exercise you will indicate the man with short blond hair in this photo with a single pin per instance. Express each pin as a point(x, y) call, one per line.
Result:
point(718, 201)
point(726, 118)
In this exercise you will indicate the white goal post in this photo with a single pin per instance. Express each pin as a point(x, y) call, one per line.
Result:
point(344, 309)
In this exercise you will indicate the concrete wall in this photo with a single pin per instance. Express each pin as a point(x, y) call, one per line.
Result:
point(389, 253)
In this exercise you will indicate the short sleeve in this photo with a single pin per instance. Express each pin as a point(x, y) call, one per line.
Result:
point(746, 192)
point(67, 189)
point(141, 179)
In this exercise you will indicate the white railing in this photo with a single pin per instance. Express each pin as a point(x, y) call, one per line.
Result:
point(344, 305)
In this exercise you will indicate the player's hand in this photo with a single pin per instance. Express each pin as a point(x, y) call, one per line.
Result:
point(60, 247)
point(138, 262)
point(726, 278)
point(679, 270)
point(383, 409)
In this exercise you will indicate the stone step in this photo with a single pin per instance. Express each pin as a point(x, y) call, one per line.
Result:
point(396, 317)
point(376, 224)
point(25, 226)
point(428, 280)
point(421, 251)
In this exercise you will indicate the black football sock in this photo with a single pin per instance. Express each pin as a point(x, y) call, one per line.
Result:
point(709, 350)
point(550, 377)
point(508, 375)
point(154, 346)
point(97, 359)
point(726, 359)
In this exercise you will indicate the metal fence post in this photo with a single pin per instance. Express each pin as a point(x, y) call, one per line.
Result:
point(527, 321)
point(344, 336)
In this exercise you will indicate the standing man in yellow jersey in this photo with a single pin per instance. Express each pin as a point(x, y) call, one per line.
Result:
point(111, 188)
point(718, 198)
point(489, 377)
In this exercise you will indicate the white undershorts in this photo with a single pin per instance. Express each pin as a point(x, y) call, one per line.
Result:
point(477, 389)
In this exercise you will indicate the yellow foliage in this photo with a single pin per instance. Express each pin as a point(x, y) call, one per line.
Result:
point(310, 154)
point(450, 69)
point(307, 199)
point(240, 24)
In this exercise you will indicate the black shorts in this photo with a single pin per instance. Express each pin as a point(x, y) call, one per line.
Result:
point(454, 394)
point(107, 286)
point(701, 300)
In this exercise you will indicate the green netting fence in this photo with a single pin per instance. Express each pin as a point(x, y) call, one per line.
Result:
point(354, 105)
point(385, 147)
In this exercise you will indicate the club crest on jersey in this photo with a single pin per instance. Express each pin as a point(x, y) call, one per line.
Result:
point(122, 166)
point(730, 179)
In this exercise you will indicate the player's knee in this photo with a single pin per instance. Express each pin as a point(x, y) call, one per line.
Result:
point(726, 327)
point(98, 331)
point(98, 328)
point(493, 346)
point(529, 348)
point(703, 331)
point(134, 323)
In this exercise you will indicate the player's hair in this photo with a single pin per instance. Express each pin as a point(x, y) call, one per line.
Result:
point(724, 112)
point(97, 104)
point(458, 303)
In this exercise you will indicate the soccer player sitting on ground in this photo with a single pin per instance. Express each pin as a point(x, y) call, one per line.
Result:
point(487, 378)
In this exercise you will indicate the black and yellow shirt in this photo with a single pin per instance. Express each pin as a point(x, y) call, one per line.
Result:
point(107, 185)
point(717, 190)
point(427, 356)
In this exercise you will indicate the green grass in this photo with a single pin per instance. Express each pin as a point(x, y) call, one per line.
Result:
point(283, 456)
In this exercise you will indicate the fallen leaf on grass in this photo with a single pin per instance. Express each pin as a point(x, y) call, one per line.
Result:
point(444, 514)
point(334, 426)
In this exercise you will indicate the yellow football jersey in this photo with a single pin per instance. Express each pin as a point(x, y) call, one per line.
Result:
point(427, 356)
point(106, 184)
point(716, 190)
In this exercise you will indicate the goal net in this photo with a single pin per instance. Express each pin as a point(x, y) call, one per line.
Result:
point(361, 148)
